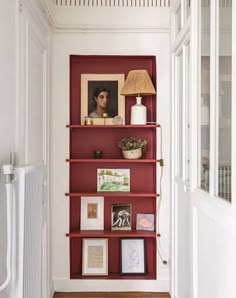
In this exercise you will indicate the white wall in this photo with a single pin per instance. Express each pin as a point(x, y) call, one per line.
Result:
point(65, 44)
point(24, 97)
point(7, 110)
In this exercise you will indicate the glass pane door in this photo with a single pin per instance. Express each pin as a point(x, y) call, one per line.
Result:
point(204, 110)
point(223, 185)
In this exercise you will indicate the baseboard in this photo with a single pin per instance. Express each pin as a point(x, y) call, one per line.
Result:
point(112, 295)
point(98, 285)
point(52, 292)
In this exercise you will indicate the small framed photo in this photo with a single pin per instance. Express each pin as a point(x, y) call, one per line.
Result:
point(113, 180)
point(121, 217)
point(95, 256)
point(133, 256)
point(145, 222)
point(102, 92)
point(92, 213)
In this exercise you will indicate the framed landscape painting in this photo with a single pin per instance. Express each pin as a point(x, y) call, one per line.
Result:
point(113, 180)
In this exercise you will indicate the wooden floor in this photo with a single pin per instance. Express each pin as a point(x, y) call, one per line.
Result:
point(112, 295)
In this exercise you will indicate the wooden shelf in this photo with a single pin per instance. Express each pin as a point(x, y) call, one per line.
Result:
point(112, 234)
point(147, 126)
point(113, 194)
point(96, 160)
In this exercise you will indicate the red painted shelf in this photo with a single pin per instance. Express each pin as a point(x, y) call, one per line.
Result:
point(112, 126)
point(115, 275)
point(94, 160)
point(112, 234)
point(113, 194)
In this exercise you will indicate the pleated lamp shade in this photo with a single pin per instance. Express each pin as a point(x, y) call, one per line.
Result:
point(138, 83)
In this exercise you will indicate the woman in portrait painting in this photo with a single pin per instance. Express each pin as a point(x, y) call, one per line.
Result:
point(101, 100)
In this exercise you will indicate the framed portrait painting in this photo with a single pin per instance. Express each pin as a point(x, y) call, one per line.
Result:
point(107, 85)
point(95, 256)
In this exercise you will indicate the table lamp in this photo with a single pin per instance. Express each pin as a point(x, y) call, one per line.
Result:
point(138, 83)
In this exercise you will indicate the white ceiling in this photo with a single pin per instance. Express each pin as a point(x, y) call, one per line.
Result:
point(107, 15)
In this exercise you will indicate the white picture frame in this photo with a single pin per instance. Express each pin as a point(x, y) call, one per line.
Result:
point(92, 213)
point(95, 256)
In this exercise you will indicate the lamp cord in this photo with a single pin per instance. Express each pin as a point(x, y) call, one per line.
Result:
point(159, 249)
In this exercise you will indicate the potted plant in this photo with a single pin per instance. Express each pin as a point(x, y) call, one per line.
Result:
point(132, 147)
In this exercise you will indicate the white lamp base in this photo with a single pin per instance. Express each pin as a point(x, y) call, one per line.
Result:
point(138, 112)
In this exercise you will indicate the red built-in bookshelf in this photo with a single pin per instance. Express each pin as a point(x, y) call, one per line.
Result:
point(83, 166)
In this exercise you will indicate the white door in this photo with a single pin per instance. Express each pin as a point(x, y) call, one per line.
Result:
point(181, 167)
point(203, 211)
point(181, 170)
point(213, 201)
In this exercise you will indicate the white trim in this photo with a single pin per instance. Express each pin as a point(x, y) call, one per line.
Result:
point(178, 45)
point(182, 38)
point(65, 284)
point(172, 184)
point(53, 13)
point(213, 79)
point(86, 28)
point(233, 115)
point(26, 101)
point(195, 93)
point(194, 254)
point(36, 10)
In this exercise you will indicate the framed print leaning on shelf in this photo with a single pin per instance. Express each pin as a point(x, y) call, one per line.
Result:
point(113, 180)
point(92, 213)
point(145, 222)
point(95, 256)
point(133, 256)
point(91, 86)
point(121, 217)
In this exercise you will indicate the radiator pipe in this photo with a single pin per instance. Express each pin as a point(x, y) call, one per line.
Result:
point(8, 173)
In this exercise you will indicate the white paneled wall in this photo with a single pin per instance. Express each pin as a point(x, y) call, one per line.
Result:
point(23, 101)
point(7, 113)
point(32, 131)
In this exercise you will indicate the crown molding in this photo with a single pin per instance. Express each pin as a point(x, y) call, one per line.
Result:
point(113, 3)
point(37, 12)
point(71, 20)
point(108, 29)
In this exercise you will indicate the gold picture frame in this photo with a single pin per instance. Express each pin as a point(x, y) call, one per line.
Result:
point(113, 83)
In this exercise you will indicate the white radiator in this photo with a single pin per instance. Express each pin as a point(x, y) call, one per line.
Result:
point(224, 182)
point(27, 247)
